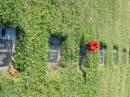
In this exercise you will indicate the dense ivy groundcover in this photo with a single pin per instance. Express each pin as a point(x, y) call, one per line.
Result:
point(76, 20)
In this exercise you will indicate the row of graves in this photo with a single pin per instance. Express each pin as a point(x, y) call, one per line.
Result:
point(7, 45)
point(54, 51)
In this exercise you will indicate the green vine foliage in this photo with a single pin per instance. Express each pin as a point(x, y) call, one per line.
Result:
point(75, 20)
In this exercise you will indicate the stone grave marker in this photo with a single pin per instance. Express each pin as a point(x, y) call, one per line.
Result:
point(103, 48)
point(82, 54)
point(54, 50)
point(7, 41)
point(124, 56)
point(115, 54)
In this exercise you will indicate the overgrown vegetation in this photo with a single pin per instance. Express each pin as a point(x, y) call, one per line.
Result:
point(103, 20)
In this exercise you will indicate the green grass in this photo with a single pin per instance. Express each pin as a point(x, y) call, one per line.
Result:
point(103, 20)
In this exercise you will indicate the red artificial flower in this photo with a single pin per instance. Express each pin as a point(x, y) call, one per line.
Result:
point(92, 45)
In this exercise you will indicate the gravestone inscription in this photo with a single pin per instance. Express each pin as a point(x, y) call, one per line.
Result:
point(54, 49)
point(53, 53)
point(6, 45)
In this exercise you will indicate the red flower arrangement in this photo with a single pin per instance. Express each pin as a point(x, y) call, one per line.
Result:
point(92, 45)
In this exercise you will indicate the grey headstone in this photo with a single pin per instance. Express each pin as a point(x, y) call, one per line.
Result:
point(82, 53)
point(115, 54)
point(54, 49)
point(102, 56)
point(6, 46)
point(103, 48)
point(124, 56)
point(53, 53)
